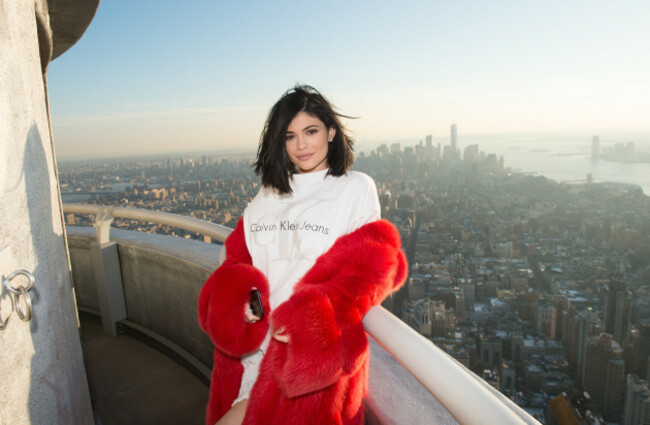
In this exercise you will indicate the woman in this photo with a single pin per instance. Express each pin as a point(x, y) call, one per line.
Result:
point(313, 245)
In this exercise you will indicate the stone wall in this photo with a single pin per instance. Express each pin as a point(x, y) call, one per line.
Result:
point(42, 370)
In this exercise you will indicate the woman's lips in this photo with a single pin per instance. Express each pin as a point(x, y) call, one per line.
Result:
point(304, 157)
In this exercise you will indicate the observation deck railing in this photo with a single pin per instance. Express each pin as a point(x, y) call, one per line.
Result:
point(467, 398)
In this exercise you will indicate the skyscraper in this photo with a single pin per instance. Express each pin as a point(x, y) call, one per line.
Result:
point(605, 375)
point(546, 318)
point(467, 288)
point(454, 139)
point(595, 147)
point(471, 153)
point(589, 325)
point(636, 404)
point(430, 151)
point(637, 350)
point(616, 309)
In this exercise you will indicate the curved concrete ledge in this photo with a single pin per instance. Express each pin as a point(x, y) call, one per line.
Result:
point(162, 277)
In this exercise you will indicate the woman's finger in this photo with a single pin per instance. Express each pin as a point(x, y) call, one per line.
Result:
point(279, 335)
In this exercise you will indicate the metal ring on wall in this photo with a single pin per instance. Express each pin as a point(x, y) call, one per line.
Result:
point(24, 315)
point(15, 274)
point(21, 302)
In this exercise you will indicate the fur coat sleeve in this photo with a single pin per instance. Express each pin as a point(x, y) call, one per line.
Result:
point(224, 294)
point(221, 316)
point(323, 317)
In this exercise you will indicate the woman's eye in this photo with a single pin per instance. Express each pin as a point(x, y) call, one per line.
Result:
point(312, 131)
point(289, 137)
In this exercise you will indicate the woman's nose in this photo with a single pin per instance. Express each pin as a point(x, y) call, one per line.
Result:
point(301, 142)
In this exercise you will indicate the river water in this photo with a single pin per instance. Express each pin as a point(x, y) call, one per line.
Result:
point(568, 161)
point(561, 159)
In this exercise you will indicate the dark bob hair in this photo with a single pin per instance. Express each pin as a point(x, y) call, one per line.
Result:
point(272, 160)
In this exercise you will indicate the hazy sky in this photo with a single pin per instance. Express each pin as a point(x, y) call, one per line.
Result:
point(162, 76)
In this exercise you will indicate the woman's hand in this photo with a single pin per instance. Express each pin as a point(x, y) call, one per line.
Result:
point(249, 317)
point(280, 335)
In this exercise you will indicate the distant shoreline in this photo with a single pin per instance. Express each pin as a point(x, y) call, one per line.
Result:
point(485, 140)
point(562, 160)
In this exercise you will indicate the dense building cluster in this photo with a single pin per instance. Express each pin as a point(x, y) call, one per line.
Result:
point(619, 152)
point(208, 188)
point(541, 288)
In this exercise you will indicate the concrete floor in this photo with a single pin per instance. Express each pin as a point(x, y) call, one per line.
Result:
point(131, 383)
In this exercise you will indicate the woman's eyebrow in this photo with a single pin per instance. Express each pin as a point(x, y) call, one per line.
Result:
point(310, 126)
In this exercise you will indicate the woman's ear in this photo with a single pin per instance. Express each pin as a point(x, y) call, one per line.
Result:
point(331, 133)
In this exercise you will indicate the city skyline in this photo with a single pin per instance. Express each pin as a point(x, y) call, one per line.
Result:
point(169, 78)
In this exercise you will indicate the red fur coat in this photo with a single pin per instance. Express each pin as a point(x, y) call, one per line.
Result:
point(320, 376)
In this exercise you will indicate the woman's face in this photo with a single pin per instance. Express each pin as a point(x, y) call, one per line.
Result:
point(307, 142)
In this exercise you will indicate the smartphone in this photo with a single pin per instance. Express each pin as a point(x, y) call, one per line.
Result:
point(256, 303)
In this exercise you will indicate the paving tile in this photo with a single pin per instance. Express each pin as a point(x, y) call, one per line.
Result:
point(131, 383)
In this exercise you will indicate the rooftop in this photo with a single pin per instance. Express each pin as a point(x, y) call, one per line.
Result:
point(132, 383)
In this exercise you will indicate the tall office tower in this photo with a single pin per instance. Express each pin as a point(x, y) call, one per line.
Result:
point(468, 290)
point(617, 303)
point(605, 375)
point(471, 153)
point(448, 153)
point(491, 161)
point(636, 404)
point(420, 152)
point(571, 327)
point(382, 150)
point(595, 147)
point(637, 350)
point(561, 306)
point(460, 305)
point(454, 138)
point(546, 318)
point(516, 348)
point(430, 151)
point(588, 325)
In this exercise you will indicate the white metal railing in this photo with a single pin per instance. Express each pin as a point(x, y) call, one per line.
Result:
point(456, 388)
point(104, 215)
